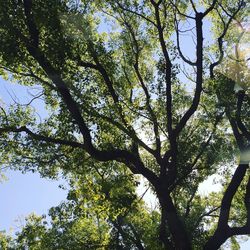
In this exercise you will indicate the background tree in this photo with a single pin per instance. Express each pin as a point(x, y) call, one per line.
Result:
point(121, 97)
point(102, 211)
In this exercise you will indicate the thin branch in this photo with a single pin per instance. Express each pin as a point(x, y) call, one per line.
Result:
point(40, 137)
point(119, 126)
point(206, 144)
point(5, 115)
point(145, 89)
point(220, 38)
point(209, 213)
point(134, 12)
point(33, 99)
point(178, 45)
point(30, 74)
point(187, 212)
point(100, 68)
point(174, 5)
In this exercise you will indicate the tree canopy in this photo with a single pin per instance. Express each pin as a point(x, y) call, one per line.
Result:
point(131, 88)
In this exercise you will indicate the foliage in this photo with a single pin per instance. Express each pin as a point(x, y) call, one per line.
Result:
point(123, 99)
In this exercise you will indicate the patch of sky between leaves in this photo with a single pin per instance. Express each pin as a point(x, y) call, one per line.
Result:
point(106, 25)
point(16, 94)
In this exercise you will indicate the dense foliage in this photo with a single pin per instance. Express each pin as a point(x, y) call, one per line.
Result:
point(123, 99)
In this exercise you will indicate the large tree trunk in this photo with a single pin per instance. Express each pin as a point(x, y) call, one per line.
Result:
point(170, 216)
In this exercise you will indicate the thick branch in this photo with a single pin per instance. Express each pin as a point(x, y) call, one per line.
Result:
point(199, 76)
point(33, 31)
point(241, 126)
point(207, 11)
point(247, 203)
point(168, 81)
point(237, 135)
point(229, 194)
point(223, 231)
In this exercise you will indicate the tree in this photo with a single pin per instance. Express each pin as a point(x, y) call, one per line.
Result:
point(121, 98)
point(102, 212)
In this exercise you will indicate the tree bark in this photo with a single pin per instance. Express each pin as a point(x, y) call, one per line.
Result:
point(223, 231)
point(177, 229)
